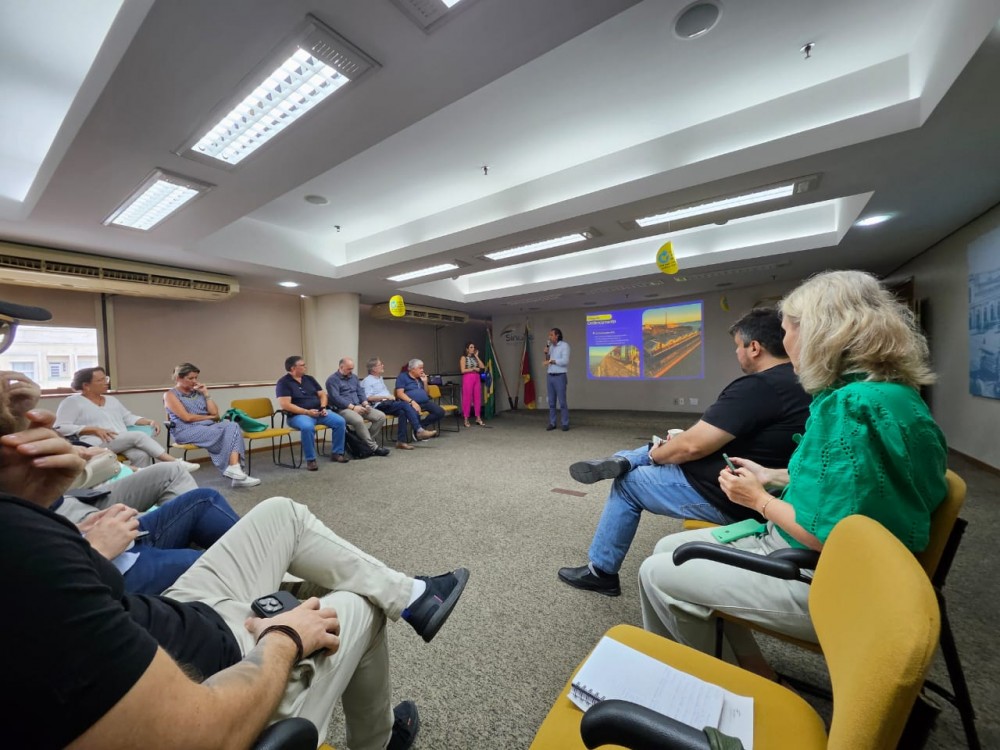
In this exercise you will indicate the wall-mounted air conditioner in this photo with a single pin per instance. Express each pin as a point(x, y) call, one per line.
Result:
point(54, 269)
point(421, 314)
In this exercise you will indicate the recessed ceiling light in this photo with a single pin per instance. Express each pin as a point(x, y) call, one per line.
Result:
point(697, 19)
point(722, 204)
point(156, 198)
point(870, 221)
point(536, 247)
point(305, 69)
point(316, 200)
point(288, 284)
point(423, 272)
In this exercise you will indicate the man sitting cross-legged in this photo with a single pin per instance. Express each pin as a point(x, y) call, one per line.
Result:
point(755, 416)
point(411, 388)
point(406, 415)
point(349, 399)
point(193, 668)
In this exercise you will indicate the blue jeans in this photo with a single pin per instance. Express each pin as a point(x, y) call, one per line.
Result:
point(307, 426)
point(198, 517)
point(404, 413)
point(556, 386)
point(663, 490)
point(434, 413)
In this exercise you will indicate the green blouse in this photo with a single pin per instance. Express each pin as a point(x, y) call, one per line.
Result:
point(870, 448)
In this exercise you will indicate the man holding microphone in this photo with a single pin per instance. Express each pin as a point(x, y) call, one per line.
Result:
point(557, 362)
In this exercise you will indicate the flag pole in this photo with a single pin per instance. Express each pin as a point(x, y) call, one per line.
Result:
point(496, 360)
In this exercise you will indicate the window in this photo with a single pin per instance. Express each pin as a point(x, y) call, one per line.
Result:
point(85, 361)
point(23, 367)
point(48, 353)
point(58, 368)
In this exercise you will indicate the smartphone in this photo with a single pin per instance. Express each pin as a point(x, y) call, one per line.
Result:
point(141, 534)
point(274, 604)
point(729, 463)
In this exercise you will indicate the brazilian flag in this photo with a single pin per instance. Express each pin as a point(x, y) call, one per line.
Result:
point(489, 400)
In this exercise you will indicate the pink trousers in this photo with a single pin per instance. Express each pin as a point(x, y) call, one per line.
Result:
point(472, 392)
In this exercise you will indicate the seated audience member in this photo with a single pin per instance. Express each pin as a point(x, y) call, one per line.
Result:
point(97, 419)
point(151, 550)
point(755, 416)
point(193, 664)
point(348, 398)
point(305, 401)
point(195, 418)
point(871, 447)
point(411, 388)
point(378, 394)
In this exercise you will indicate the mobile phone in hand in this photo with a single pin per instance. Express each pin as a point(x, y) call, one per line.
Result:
point(274, 604)
point(729, 463)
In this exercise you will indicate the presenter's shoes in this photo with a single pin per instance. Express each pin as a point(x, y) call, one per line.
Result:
point(189, 466)
point(585, 578)
point(339, 458)
point(550, 427)
point(588, 472)
point(481, 423)
point(246, 481)
point(467, 425)
point(426, 434)
point(428, 613)
point(404, 446)
point(311, 466)
point(381, 452)
point(565, 428)
point(405, 726)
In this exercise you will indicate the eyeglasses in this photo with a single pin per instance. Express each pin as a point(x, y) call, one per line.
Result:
point(8, 328)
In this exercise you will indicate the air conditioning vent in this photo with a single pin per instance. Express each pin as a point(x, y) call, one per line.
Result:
point(420, 314)
point(54, 269)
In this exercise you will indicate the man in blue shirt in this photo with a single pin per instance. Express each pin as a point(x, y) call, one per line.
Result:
point(304, 400)
point(411, 387)
point(376, 393)
point(349, 399)
point(557, 361)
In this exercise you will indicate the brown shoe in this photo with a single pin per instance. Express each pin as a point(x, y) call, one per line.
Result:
point(339, 458)
point(311, 466)
point(426, 434)
point(404, 446)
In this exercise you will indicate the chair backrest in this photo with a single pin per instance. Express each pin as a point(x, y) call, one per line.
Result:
point(434, 391)
point(258, 408)
point(942, 523)
point(878, 621)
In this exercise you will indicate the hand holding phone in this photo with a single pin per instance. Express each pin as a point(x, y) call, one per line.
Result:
point(729, 463)
point(274, 604)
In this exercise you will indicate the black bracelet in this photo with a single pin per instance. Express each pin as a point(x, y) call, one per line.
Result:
point(291, 633)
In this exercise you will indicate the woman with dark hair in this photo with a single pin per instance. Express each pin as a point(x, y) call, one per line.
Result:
point(472, 389)
point(195, 417)
point(870, 447)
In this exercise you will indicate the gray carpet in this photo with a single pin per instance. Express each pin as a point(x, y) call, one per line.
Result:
point(483, 498)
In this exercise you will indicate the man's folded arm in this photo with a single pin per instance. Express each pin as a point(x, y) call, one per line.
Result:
point(698, 441)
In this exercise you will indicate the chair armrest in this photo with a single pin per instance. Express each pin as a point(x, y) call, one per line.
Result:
point(288, 734)
point(630, 725)
point(775, 565)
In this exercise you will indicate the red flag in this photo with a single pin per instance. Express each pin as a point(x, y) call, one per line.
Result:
point(529, 384)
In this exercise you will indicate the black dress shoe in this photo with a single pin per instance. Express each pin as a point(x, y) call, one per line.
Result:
point(565, 428)
point(588, 472)
point(584, 578)
point(311, 466)
point(339, 458)
point(550, 427)
point(381, 452)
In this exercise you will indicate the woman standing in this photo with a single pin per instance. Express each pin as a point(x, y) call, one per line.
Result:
point(196, 420)
point(472, 389)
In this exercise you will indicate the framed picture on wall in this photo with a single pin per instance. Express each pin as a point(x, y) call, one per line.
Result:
point(984, 316)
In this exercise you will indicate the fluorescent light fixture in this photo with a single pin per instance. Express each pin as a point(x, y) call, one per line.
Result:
point(451, 3)
point(736, 201)
point(430, 14)
point(423, 272)
point(288, 284)
point(301, 72)
point(870, 221)
point(535, 247)
point(156, 198)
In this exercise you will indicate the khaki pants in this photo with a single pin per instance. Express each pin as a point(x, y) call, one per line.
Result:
point(357, 422)
point(280, 536)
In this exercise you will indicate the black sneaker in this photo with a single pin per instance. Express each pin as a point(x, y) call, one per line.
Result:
point(428, 613)
point(588, 472)
point(550, 427)
point(381, 452)
point(584, 578)
point(405, 727)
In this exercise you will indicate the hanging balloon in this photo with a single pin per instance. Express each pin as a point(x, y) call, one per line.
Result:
point(397, 308)
point(724, 303)
point(665, 259)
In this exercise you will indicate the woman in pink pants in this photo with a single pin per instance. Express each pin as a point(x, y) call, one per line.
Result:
point(472, 390)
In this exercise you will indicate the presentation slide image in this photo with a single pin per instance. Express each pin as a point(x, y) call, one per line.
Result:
point(672, 341)
point(614, 361)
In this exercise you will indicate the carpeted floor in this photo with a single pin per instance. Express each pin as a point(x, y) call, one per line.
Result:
point(488, 499)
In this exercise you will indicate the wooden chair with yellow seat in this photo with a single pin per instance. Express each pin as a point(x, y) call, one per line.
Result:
point(876, 615)
point(450, 410)
point(168, 425)
point(261, 408)
point(936, 559)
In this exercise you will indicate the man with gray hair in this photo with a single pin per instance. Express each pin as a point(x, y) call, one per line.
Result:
point(349, 399)
point(378, 395)
point(411, 387)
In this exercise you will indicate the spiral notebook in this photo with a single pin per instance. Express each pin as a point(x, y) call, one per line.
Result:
point(615, 670)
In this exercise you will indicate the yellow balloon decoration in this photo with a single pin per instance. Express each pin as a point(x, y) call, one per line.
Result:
point(724, 303)
point(397, 308)
point(665, 259)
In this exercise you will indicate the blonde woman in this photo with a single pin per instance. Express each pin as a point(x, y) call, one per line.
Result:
point(870, 446)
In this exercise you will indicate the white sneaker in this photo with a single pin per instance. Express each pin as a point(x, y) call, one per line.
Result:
point(233, 471)
point(246, 481)
point(190, 465)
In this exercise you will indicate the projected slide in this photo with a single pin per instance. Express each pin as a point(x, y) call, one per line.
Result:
point(658, 343)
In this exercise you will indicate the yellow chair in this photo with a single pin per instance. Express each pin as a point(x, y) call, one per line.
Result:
point(261, 408)
point(877, 618)
point(168, 425)
point(450, 410)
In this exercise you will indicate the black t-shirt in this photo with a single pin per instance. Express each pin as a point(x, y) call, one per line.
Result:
point(73, 642)
point(763, 410)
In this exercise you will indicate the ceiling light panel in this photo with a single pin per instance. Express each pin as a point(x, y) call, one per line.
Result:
point(429, 14)
point(424, 272)
point(157, 197)
point(536, 247)
point(304, 70)
point(722, 204)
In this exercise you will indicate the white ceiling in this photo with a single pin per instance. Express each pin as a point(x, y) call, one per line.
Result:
point(588, 113)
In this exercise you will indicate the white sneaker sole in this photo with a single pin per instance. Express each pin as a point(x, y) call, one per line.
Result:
point(247, 482)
